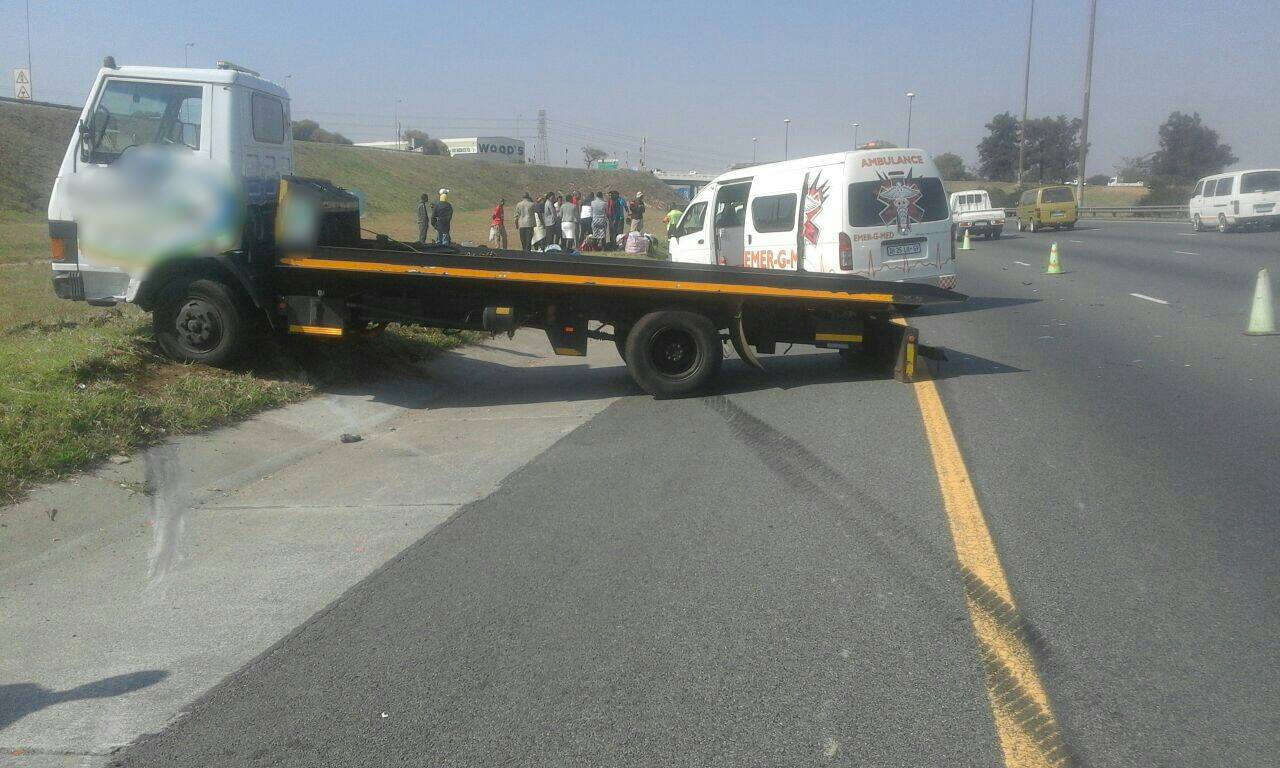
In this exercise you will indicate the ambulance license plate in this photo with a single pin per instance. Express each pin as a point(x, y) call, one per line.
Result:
point(907, 249)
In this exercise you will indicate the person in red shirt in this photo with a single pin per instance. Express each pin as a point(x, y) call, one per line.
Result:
point(498, 225)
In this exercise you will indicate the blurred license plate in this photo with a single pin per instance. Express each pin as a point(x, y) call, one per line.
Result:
point(1059, 214)
point(909, 249)
point(981, 223)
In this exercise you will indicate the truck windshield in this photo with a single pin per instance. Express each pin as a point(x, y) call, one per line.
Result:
point(130, 113)
point(876, 203)
point(1263, 181)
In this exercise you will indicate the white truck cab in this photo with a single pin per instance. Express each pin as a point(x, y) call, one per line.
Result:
point(972, 212)
point(879, 213)
point(228, 116)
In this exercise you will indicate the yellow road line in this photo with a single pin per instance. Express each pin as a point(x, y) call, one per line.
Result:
point(591, 280)
point(1029, 733)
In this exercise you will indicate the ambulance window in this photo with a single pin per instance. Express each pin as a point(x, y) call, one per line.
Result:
point(692, 220)
point(268, 119)
point(774, 213)
point(879, 203)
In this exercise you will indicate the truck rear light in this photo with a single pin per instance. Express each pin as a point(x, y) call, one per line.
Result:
point(59, 249)
point(846, 251)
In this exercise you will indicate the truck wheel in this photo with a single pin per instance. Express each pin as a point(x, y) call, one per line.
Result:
point(673, 352)
point(202, 321)
point(995, 233)
point(1031, 225)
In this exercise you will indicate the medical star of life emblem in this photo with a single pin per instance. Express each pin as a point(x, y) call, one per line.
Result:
point(900, 196)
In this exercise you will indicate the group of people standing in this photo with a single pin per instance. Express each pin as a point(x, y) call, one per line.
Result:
point(438, 215)
point(590, 221)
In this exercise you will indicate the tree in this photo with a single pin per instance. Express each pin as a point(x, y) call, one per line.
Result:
point(420, 140)
point(310, 130)
point(1098, 180)
point(998, 152)
point(951, 166)
point(593, 155)
point(1136, 168)
point(1189, 150)
point(1053, 148)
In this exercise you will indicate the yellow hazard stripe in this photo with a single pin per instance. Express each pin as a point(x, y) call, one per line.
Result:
point(1028, 730)
point(854, 337)
point(560, 279)
point(315, 330)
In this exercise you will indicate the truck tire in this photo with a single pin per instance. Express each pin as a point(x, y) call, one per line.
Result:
point(673, 352)
point(996, 233)
point(201, 321)
point(1031, 226)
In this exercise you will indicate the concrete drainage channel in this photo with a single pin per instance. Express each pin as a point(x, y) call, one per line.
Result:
point(160, 575)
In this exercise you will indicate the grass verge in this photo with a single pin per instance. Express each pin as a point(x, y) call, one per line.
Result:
point(79, 384)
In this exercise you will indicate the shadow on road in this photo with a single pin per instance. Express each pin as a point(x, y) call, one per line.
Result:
point(974, 304)
point(17, 700)
point(468, 382)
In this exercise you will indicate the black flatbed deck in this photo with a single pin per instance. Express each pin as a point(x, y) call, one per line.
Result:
point(609, 272)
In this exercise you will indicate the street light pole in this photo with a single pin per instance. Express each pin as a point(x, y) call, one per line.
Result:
point(1026, 92)
point(911, 98)
point(186, 49)
point(753, 150)
point(1088, 83)
point(786, 140)
point(31, 90)
point(855, 135)
point(397, 120)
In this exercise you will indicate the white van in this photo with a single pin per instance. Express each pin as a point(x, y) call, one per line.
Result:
point(878, 213)
point(1236, 199)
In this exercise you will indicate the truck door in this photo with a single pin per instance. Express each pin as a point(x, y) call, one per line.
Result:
point(690, 241)
point(773, 215)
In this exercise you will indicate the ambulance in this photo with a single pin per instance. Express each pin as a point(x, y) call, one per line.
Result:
point(879, 213)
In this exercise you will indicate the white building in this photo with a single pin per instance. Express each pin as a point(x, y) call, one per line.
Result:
point(497, 148)
point(403, 144)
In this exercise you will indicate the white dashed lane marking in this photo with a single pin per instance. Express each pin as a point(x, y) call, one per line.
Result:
point(1148, 298)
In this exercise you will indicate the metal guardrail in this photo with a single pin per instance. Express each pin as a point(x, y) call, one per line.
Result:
point(1127, 212)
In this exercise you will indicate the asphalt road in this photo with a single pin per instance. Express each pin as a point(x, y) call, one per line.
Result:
point(766, 576)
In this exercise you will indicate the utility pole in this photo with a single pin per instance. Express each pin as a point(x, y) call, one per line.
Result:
point(186, 49)
point(911, 98)
point(566, 157)
point(753, 150)
point(1026, 93)
point(642, 140)
point(397, 121)
point(786, 140)
point(1088, 83)
point(543, 153)
point(855, 134)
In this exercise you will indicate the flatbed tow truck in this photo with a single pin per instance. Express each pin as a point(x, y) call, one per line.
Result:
point(669, 321)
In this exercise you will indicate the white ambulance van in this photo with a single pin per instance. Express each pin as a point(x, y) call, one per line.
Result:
point(878, 213)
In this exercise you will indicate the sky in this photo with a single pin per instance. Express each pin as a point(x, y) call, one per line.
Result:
point(698, 79)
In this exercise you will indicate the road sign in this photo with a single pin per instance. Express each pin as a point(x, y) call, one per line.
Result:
point(22, 83)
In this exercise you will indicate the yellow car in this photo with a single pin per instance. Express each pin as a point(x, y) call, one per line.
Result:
point(1047, 207)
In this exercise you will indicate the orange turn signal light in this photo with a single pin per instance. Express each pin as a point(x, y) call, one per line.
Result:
point(58, 248)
